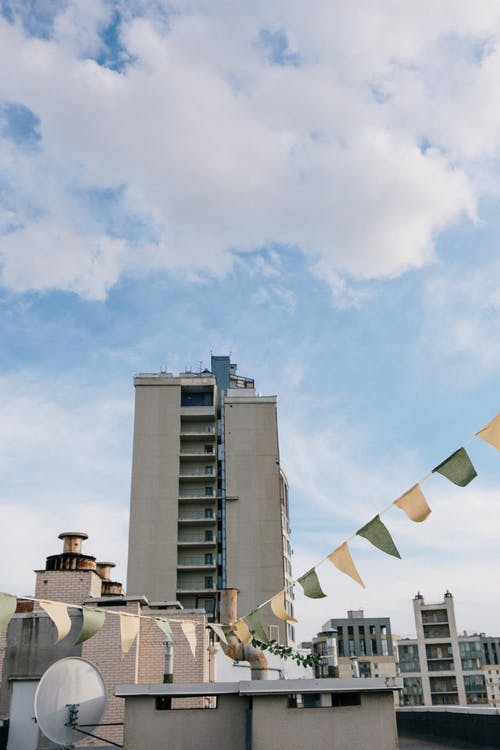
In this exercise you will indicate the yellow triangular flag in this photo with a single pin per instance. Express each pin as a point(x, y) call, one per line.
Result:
point(129, 627)
point(491, 433)
point(278, 607)
point(242, 631)
point(189, 630)
point(341, 558)
point(58, 613)
point(414, 504)
point(218, 630)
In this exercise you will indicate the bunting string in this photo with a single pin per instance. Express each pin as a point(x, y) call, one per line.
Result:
point(457, 468)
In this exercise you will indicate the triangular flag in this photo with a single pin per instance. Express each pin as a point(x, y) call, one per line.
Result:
point(58, 613)
point(414, 504)
point(278, 607)
point(8, 604)
point(93, 620)
point(341, 558)
point(378, 535)
point(164, 626)
point(241, 631)
point(189, 630)
point(129, 627)
point(491, 433)
point(311, 585)
point(255, 624)
point(218, 630)
point(457, 468)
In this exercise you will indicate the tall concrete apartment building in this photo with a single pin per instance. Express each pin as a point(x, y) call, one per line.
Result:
point(209, 500)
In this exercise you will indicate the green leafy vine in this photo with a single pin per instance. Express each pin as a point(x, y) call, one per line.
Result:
point(286, 652)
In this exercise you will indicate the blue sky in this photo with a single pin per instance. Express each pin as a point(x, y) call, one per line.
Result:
point(316, 195)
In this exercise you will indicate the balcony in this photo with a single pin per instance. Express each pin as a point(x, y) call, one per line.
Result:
point(198, 432)
point(440, 665)
point(197, 516)
point(198, 495)
point(436, 631)
point(195, 563)
point(197, 474)
point(195, 540)
point(195, 454)
point(194, 587)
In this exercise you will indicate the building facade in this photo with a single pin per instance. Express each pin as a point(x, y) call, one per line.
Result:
point(364, 646)
point(209, 501)
point(440, 667)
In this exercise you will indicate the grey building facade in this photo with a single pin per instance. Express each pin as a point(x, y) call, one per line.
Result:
point(364, 645)
point(442, 667)
point(209, 500)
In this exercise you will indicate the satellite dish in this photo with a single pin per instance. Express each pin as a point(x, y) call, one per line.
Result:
point(71, 693)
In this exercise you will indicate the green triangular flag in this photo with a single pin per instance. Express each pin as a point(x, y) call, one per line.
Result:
point(8, 604)
point(93, 620)
point(311, 585)
point(164, 625)
point(457, 468)
point(378, 535)
point(254, 623)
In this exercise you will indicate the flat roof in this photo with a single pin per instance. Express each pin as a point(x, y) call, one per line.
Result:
point(262, 687)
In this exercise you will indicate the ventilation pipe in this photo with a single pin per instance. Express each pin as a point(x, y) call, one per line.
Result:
point(235, 649)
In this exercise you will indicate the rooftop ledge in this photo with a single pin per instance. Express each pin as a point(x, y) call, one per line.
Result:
point(261, 687)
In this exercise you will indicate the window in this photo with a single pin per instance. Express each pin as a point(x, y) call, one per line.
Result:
point(209, 582)
point(209, 558)
point(209, 513)
point(166, 703)
point(209, 491)
point(209, 536)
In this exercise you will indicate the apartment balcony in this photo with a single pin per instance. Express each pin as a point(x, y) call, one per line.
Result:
point(436, 631)
point(440, 665)
point(196, 494)
point(196, 516)
point(197, 474)
point(195, 563)
point(197, 454)
point(198, 432)
point(195, 587)
point(195, 540)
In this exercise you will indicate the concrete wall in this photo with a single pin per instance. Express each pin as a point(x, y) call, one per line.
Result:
point(262, 722)
point(190, 729)
point(152, 554)
point(371, 725)
point(254, 537)
point(30, 650)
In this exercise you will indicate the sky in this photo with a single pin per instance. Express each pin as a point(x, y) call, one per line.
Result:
point(313, 190)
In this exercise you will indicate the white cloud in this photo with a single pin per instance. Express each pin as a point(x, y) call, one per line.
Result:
point(64, 466)
point(217, 149)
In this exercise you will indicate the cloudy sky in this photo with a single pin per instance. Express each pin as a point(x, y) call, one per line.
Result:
point(313, 189)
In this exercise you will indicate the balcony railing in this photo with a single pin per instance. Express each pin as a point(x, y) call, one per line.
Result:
point(197, 453)
point(195, 539)
point(196, 515)
point(194, 586)
point(195, 562)
point(186, 472)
